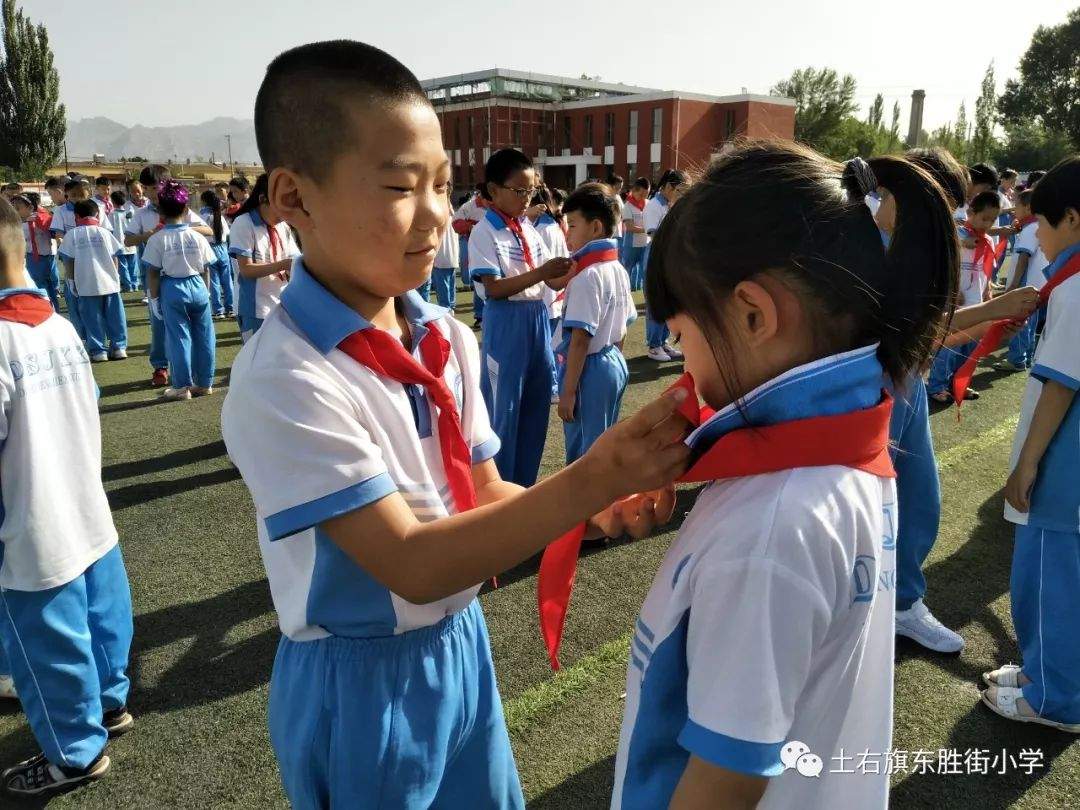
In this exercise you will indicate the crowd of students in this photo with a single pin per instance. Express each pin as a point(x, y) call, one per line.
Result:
point(393, 462)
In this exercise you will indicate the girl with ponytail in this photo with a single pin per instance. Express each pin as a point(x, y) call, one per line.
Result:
point(221, 283)
point(766, 640)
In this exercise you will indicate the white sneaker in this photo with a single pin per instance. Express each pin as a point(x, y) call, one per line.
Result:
point(919, 624)
point(176, 393)
point(7, 688)
point(672, 352)
point(658, 354)
point(118, 354)
point(100, 357)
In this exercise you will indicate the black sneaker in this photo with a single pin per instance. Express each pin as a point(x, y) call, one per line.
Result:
point(117, 721)
point(37, 777)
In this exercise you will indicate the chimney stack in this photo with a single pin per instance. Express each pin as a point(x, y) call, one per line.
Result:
point(915, 124)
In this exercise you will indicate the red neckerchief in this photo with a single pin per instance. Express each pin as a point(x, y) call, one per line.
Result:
point(106, 203)
point(640, 206)
point(519, 233)
point(992, 339)
point(86, 221)
point(383, 353)
point(586, 261)
point(859, 440)
point(984, 250)
point(275, 241)
point(40, 221)
point(25, 308)
point(1023, 223)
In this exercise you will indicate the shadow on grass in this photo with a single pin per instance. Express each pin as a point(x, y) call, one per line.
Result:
point(119, 407)
point(118, 389)
point(986, 374)
point(644, 370)
point(585, 790)
point(135, 494)
point(180, 458)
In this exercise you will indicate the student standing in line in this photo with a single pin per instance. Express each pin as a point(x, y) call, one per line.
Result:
point(40, 250)
point(669, 188)
point(221, 280)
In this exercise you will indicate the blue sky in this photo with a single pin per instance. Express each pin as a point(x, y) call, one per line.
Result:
point(156, 64)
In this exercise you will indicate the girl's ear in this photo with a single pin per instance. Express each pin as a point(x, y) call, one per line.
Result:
point(755, 312)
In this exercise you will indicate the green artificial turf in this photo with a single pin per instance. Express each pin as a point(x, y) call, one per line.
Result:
point(205, 632)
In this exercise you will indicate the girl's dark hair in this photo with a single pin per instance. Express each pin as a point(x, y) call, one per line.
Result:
point(943, 167)
point(154, 175)
point(240, 182)
point(984, 173)
point(260, 193)
point(1058, 191)
point(213, 202)
point(118, 198)
point(673, 177)
point(34, 198)
point(501, 165)
point(171, 203)
point(783, 209)
point(1034, 177)
point(984, 200)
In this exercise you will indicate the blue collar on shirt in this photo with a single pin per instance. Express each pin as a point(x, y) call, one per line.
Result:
point(595, 246)
point(1061, 260)
point(662, 199)
point(545, 218)
point(176, 226)
point(4, 293)
point(840, 383)
point(326, 321)
point(497, 222)
point(256, 220)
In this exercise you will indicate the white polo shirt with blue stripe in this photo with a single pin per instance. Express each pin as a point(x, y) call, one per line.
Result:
point(494, 250)
point(598, 301)
point(316, 435)
point(770, 619)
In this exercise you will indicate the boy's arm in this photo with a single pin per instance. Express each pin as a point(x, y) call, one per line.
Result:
point(249, 269)
point(497, 288)
point(704, 786)
point(1050, 410)
point(575, 362)
point(1021, 268)
point(69, 268)
point(153, 282)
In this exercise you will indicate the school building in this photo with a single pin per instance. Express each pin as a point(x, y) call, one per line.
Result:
point(576, 129)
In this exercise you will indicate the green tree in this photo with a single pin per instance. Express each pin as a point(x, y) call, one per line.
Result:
point(982, 141)
point(823, 100)
point(877, 112)
point(1030, 146)
point(32, 119)
point(894, 128)
point(1048, 90)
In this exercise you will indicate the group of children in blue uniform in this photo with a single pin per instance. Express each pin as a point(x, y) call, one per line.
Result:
point(404, 461)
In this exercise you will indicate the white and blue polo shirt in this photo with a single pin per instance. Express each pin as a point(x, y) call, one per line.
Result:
point(494, 250)
point(249, 237)
point(94, 251)
point(1055, 498)
point(653, 214)
point(63, 218)
point(770, 619)
point(973, 280)
point(1027, 243)
point(598, 301)
point(178, 252)
point(316, 435)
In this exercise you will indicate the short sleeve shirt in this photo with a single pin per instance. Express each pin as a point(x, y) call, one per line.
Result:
point(636, 216)
point(494, 250)
point(178, 252)
point(1027, 243)
point(598, 301)
point(250, 238)
point(343, 437)
point(63, 218)
point(93, 249)
point(44, 240)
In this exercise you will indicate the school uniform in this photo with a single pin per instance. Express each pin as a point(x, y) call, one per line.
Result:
point(470, 211)
point(258, 297)
point(597, 301)
point(447, 260)
point(770, 619)
point(181, 255)
point(143, 221)
point(1022, 346)
point(97, 287)
point(221, 280)
point(634, 259)
point(518, 364)
point(971, 290)
point(551, 234)
point(374, 701)
point(1045, 575)
point(41, 261)
point(656, 332)
point(66, 620)
point(129, 259)
point(63, 219)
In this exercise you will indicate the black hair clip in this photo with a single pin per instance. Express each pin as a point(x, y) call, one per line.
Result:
point(859, 179)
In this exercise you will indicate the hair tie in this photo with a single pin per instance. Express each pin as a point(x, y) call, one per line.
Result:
point(858, 178)
point(172, 191)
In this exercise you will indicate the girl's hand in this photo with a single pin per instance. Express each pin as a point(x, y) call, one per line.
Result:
point(638, 515)
point(567, 405)
point(1018, 487)
point(642, 453)
point(1016, 304)
point(554, 268)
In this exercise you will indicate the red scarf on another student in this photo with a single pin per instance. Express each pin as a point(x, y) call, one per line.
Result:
point(859, 440)
point(992, 339)
point(40, 221)
point(86, 221)
point(587, 260)
point(25, 308)
point(105, 203)
point(514, 225)
point(632, 200)
point(275, 242)
point(984, 250)
point(1023, 223)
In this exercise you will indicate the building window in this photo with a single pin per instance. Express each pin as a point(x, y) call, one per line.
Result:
point(568, 130)
point(515, 133)
point(632, 135)
point(657, 123)
point(609, 129)
point(588, 132)
point(729, 123)
point(469, 129)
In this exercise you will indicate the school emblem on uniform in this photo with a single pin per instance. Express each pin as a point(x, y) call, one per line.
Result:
point(863, 578)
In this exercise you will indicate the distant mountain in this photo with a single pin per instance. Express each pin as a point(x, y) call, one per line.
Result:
point(91, 136)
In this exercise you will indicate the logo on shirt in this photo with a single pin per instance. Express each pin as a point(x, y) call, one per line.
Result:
point(39, 371)
point(863, 578)
point(797, 755)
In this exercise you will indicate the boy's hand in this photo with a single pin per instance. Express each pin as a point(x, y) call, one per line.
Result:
point(642, 453)
point(567, 405)
point(1018, 487)
point(554, 268)
point(1016, 304)
point(638, 515)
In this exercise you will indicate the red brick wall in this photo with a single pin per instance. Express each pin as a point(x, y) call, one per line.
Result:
point(770, 121)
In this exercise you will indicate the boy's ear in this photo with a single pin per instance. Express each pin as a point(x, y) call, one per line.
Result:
point(285, 192)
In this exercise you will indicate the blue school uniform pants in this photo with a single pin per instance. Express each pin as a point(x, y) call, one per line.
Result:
point(946, 363)
point(221, 287)
point(635, 266)
point(442, 281)
point(517, 370)
point(189, 331)
point(599, 396)
point(46, 277)
point(103, 320)
point(1043, 588)
point(128, 267)
point(68, 649)
point(656, 332)
point(72, 301)
point(918, 490)
point(466, 277)
point(407, 721)
point(424, 290)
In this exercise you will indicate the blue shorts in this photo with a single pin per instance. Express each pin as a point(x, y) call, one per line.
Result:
point(408, 721)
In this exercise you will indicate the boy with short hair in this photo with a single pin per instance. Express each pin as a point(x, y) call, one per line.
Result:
point(40, 249)
point(91, 257)
point(355, 416)
point(63, 220)
point(1029, 271)
point(65, 605)
point(1041, 494)
point(597, 310)
point(634, 225)
point(103, 195)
